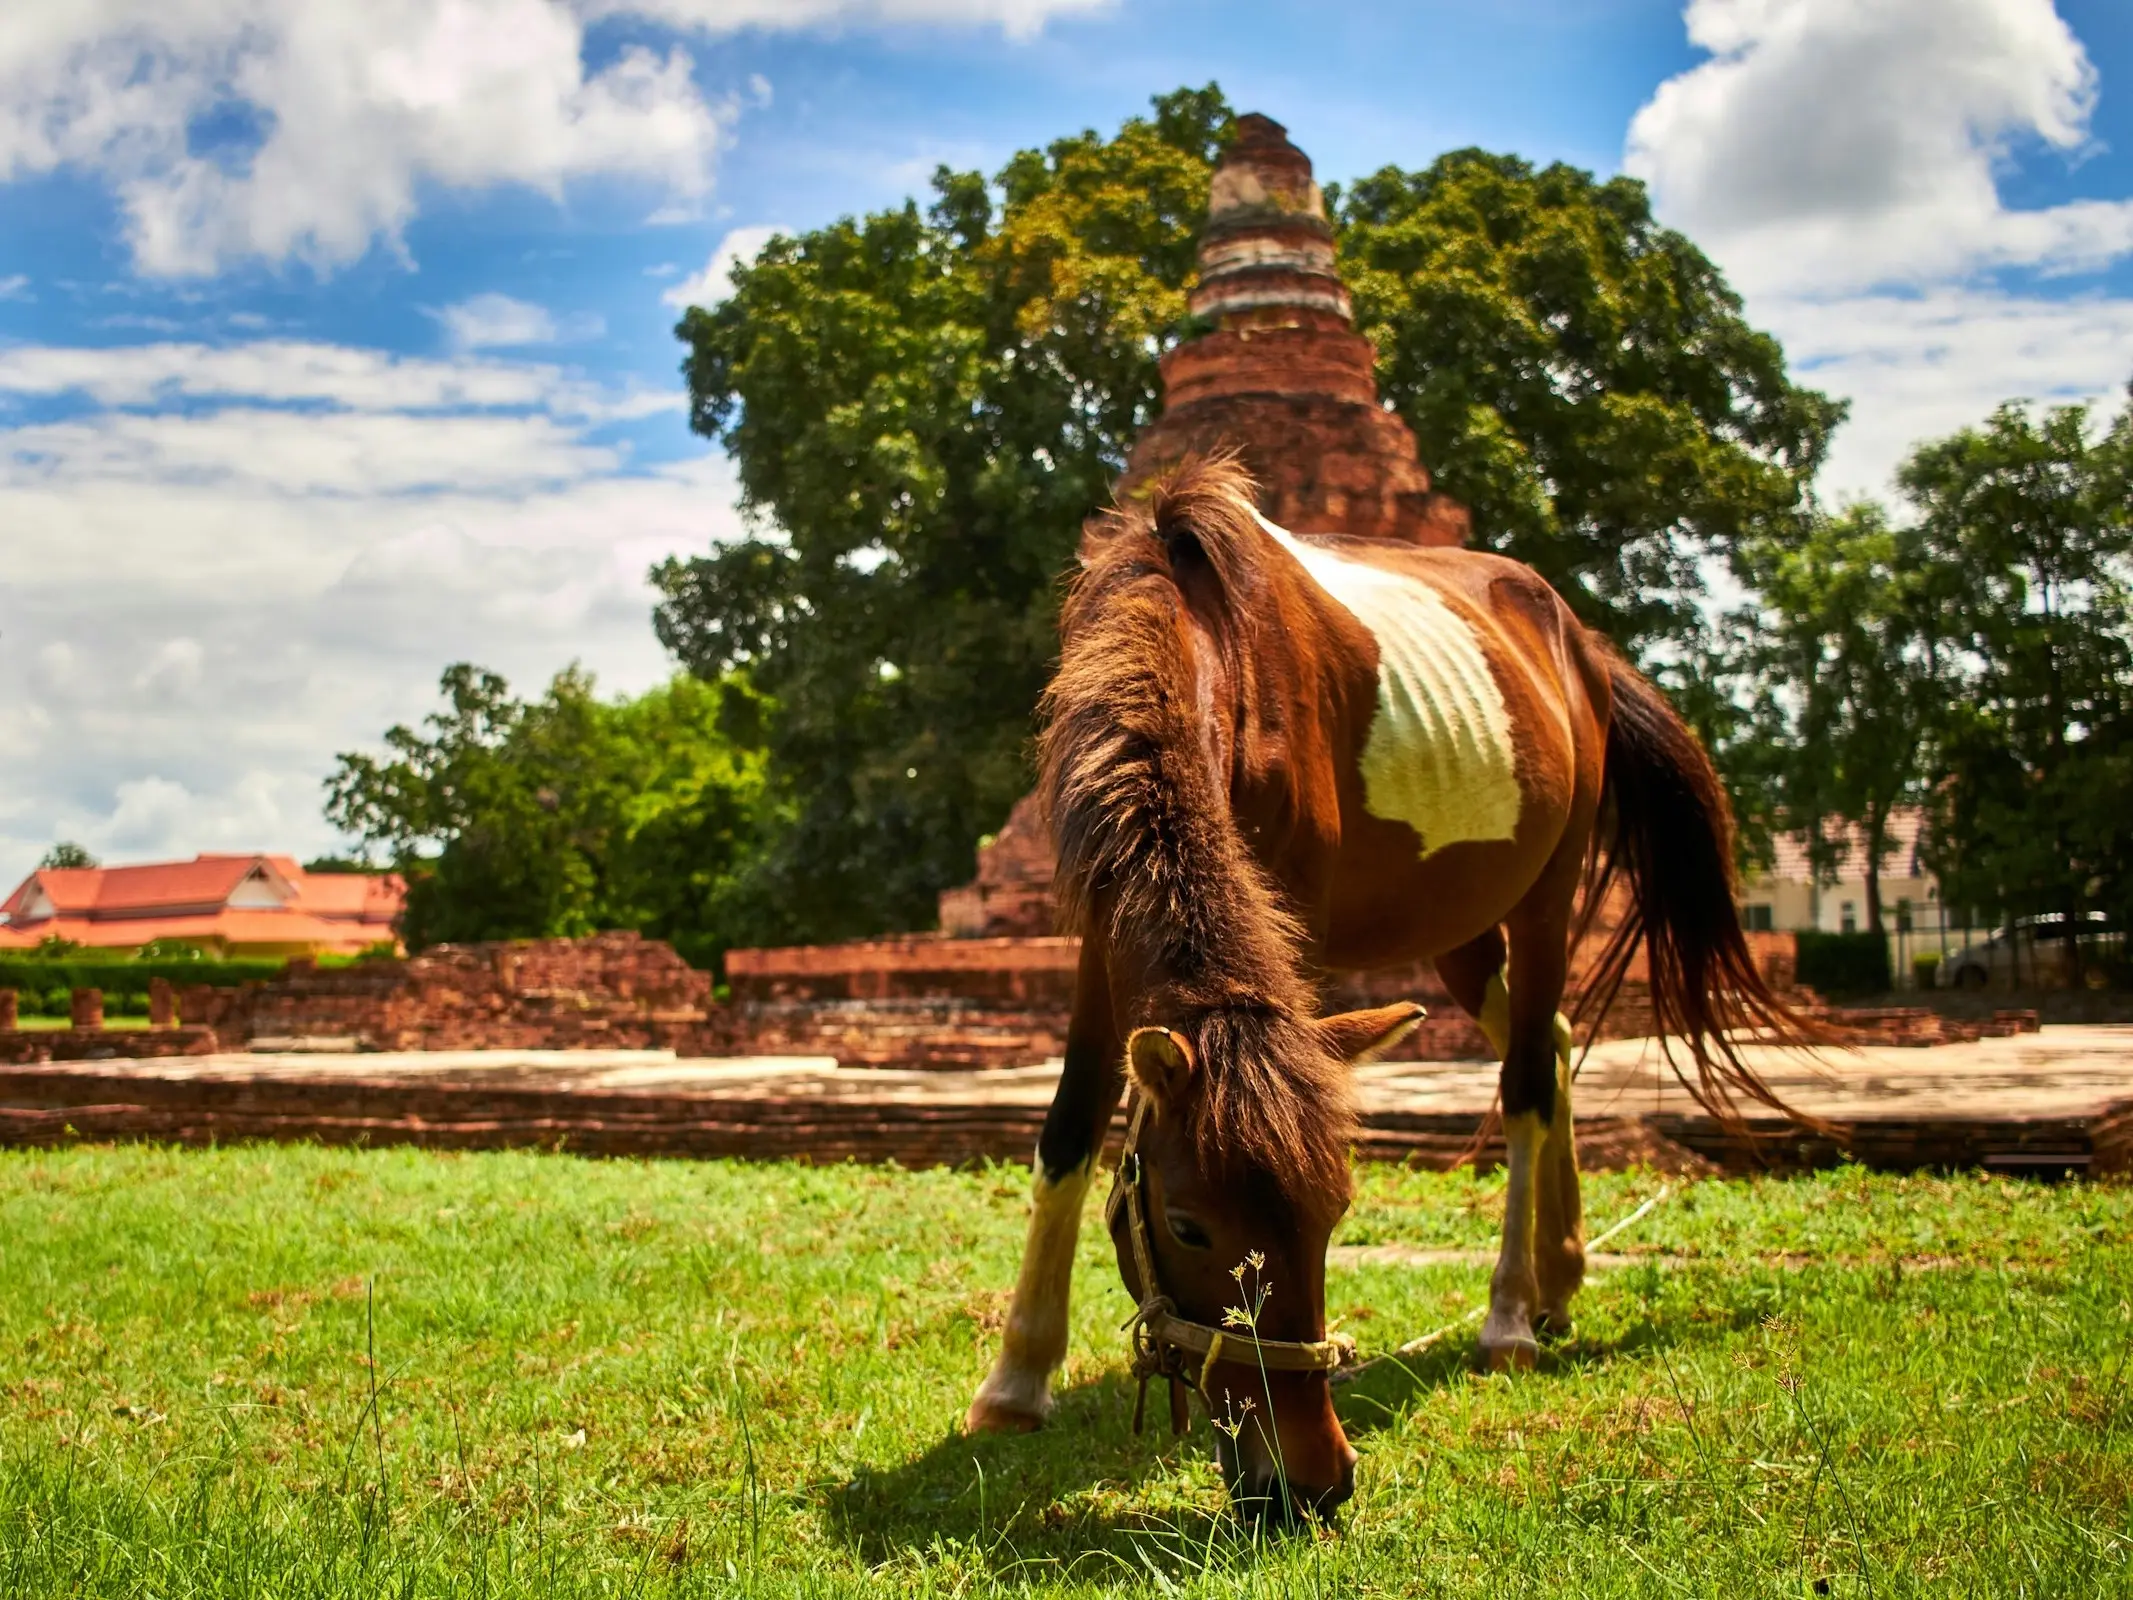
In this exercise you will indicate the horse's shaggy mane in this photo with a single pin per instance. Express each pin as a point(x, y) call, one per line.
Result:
point(1146, 842)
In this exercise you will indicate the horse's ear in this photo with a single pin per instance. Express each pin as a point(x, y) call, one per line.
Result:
point(1161, 1062)
point(1370, 1035)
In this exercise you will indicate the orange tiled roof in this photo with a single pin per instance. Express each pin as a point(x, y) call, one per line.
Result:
point(125, 906)
point(223, 927)
point(372, 896)
point(1789, 861)
point(104, 891)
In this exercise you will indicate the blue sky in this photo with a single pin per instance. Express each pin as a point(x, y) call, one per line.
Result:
point(335, 337)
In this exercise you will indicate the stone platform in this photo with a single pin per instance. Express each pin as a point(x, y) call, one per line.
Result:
point(2058, 1100)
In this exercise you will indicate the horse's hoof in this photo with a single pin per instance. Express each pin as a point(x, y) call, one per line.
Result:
point(1553, 1327)
point(1512, 1354)
point(988, 1416)
point(1009, 1402)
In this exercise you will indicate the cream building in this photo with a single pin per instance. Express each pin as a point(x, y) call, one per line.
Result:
point(1787, 899)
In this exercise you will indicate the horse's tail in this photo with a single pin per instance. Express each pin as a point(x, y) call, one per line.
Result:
point(1667, 833)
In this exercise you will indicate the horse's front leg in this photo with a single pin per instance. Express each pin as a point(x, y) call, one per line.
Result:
point(1016, 1394)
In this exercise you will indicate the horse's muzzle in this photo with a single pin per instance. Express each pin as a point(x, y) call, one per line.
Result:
point(1261, 1494)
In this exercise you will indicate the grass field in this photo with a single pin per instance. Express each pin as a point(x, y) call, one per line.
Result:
point(55, 1024)
point(319, 1372)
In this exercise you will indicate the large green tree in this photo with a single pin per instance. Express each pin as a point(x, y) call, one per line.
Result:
point(568, 814)
point(924, 405)
point(1583, 379)
point(2025, 530)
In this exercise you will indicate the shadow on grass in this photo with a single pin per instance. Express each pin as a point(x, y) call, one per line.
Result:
point(1377, 1396)
point(1083, 1493)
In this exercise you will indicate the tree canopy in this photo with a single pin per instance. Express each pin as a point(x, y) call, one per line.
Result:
point(1582, 379)
point(1974, 656)
point(568, 814)
point(2025, 531)
point(922, 408)
point(924, 405)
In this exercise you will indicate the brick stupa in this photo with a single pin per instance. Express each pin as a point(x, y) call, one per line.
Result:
point(1281, 374)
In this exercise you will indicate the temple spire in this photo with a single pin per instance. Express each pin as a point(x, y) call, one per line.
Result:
point(1282, 374)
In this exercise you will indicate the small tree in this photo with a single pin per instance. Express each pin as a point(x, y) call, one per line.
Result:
point(1846, 641)
point(67, 854)
point(567, 814)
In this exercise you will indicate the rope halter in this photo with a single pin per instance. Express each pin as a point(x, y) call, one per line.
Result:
point(1167, 1345)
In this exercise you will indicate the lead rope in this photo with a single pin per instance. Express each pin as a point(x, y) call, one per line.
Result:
point(1415, 1347)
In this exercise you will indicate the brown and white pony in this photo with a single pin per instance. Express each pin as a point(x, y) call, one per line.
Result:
point(1266, 757)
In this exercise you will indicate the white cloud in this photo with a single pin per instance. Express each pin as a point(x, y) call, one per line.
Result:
point(201, 605)
point(714, 281)
point(1840, 160)
point(16, 287)
point(300, 453)
point(1019, 19)
point(148, 812)
point(496, 320)
point(302, 372)
point(1845, 143)
point(337, 112)
point(306, 130)
point(172, 673)
point(1920, 366)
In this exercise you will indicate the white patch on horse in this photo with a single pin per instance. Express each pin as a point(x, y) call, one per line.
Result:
point(1439, 757)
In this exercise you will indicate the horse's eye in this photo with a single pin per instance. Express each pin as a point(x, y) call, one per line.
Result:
point(1189, 1233)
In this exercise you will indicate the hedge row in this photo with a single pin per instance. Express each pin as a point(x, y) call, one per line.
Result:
point(36, 975)
point(1843, 963)
point(60, 1003)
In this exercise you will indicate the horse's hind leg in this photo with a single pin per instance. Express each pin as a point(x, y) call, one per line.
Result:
point(1542, 1261)
point(1474, 974)
point(1559, 1208)
point(1016, 1393)
point(1507, 1334)
point(1471, 973)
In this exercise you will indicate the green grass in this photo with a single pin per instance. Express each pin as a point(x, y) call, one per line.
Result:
point(54, 1024)
point(321, 1372)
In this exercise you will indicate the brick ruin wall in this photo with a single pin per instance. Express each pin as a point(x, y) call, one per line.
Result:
point(611, 991)
point(925, 1000)
point(929, 1001)
point(614, 991)
point(922, 1001)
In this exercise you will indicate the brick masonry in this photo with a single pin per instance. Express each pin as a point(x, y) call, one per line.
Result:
point(923, 1001)
point(926, 1000)
point(1282, 376)
point(611, 991)
point(2052, 1102)
point(27, 1047)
